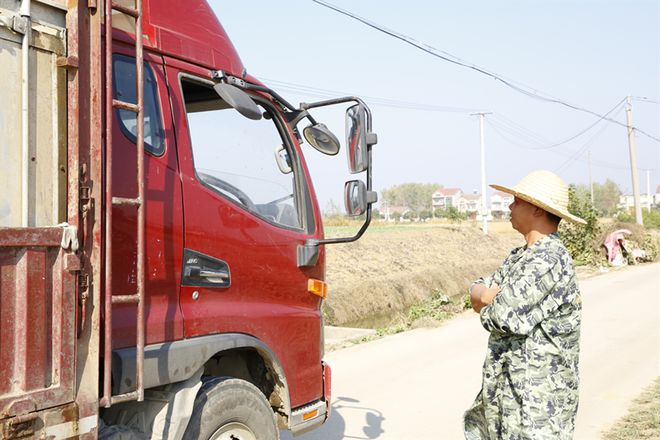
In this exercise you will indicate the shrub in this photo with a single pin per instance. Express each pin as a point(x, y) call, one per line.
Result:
point(454, 215)
point(651, 219)
point(425, 214)
point(582, 241)
point(625, 217)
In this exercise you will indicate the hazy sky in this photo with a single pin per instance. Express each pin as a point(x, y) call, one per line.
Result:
point(590, 53)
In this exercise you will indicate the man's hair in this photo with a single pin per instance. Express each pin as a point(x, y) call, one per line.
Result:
point(553, 218)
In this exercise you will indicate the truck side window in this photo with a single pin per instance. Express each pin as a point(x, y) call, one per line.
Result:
point(123, 75)
point(238, 157)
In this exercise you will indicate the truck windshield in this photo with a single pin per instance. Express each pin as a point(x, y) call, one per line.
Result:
point(238, 157)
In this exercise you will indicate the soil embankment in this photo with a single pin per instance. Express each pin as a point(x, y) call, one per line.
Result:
point(375, 280)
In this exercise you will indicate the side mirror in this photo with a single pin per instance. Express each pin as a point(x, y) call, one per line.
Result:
point(358, 138)
point(355, 197)
point(322, 139)
point(282, 159)
point(239, 100)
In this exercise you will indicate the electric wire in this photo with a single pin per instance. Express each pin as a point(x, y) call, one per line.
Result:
point(580, 151)
point(305, 90)
point(498, 128)
point(524, 131)
point(542, 143)
point(645, 99)
point(446, 56)
point(544, 146)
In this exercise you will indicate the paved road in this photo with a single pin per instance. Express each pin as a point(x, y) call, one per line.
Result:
point(416, 385)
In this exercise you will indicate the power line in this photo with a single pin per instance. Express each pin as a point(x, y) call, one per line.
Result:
point(572, 157)
point(379, 101)
point(524, 131)
point(519, 131)
point(644, 99)
point(446, 56)
point(581, 150)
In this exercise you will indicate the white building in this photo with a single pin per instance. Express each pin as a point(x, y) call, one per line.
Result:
point(470, 203)
point(445, 198)
point(499, 204)
point(627, 202)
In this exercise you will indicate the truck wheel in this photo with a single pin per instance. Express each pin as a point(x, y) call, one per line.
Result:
point(231, 409)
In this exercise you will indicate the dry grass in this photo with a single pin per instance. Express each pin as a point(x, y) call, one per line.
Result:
point(375, 280)
point(643, 419)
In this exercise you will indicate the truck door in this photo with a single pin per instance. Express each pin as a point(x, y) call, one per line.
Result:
point(245, 215)
point(164, 216)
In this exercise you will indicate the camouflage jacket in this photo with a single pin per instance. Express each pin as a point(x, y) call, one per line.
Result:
point(530, 375)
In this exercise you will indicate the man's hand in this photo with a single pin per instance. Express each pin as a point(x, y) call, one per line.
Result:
point(481, 296)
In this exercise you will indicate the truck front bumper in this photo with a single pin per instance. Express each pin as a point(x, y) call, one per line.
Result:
point(315, 414)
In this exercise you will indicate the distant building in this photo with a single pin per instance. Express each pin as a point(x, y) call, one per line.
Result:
point(627, 202)
point(499, 204)
point(470, 203)
point(445, 198)
point(389, 213)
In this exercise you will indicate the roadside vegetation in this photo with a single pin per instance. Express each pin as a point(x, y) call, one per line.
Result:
point(643, 419)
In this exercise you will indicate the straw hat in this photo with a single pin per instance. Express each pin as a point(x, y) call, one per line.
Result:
point(546, 190)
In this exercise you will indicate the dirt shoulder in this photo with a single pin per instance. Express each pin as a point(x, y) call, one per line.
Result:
point(375, 280)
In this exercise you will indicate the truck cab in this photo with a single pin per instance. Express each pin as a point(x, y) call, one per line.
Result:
point(187, 255)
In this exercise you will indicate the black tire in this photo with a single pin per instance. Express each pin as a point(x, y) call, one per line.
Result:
point(233, 405)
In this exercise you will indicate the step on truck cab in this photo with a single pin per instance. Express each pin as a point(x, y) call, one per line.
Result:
point(161, 245)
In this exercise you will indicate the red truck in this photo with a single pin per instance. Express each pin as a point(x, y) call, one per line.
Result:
point(161, 244)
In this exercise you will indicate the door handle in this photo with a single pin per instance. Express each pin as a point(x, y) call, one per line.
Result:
point(213, 276)
point(201, 270)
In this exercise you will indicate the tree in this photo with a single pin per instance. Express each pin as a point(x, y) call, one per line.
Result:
point(425, 214)
point(606, 197)
point(416, 196)
point(410, 215)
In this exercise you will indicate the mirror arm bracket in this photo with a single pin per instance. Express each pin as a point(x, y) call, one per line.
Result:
point(293, 117)
point(308, 252)
point(241, 83)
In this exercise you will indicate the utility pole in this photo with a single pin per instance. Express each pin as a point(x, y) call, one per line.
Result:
point(484, 205)
point(633, 161)
point(591, 182)
point(648, 190)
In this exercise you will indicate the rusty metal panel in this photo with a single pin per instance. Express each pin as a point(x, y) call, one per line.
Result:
point(37, 311)
point(84, 21)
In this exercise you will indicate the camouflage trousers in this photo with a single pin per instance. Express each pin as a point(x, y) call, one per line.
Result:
point(507, 421)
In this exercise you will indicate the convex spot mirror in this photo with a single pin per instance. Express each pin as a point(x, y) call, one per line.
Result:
point(322, 139)
point(355, 198)
point(239, 100)
point(358, 138)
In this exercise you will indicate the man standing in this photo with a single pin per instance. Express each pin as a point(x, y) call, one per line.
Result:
point(531, 307)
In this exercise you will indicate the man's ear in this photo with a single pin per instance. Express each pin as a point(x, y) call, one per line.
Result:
point(538, 212)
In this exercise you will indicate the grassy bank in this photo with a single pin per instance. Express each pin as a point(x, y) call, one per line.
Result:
point(643, 419)
point(375, 281)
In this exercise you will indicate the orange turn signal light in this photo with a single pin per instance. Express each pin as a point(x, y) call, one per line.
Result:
point(311, 414)
point(317, 287)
